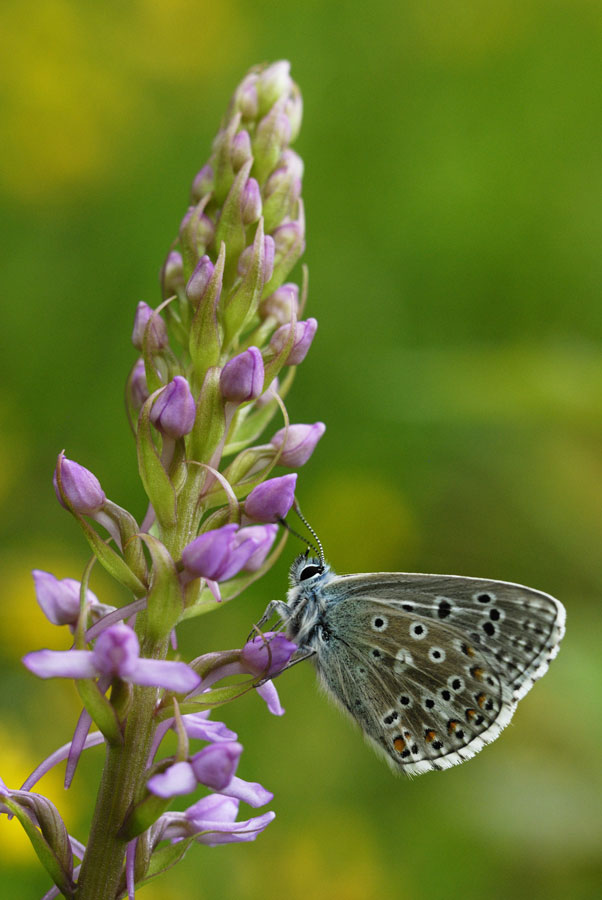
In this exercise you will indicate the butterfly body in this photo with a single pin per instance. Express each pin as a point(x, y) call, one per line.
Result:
point(431, 667)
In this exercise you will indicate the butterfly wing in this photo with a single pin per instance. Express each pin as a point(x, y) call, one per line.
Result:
point(432, 666)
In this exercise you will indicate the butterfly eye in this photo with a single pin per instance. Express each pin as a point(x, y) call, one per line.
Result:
point(309, 572)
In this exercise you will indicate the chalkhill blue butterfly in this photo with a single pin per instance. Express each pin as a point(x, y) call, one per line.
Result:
point(431, 667)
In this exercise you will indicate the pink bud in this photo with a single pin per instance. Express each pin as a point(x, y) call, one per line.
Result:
point(271, 500)
point(250, 202)
point(304, 335)
point(80, 487)
point(198, 281)
point(174, 411)
point(298, 443)
point(282, 304)
point(242, 376)
point(157, 329)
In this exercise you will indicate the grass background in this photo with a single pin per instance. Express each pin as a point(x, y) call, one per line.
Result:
point(452, 190)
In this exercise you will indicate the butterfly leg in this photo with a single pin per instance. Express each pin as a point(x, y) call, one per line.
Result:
point(275, 607)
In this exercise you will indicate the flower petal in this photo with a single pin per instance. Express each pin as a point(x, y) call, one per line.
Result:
point(268, 692)
point(178, 779)
point(175, 676)
point(61, 663)
point(250, 792)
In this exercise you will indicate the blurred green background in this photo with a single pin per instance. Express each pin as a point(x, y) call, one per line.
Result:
point(453, 182)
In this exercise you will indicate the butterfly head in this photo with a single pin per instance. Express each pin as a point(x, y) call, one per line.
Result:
point(307, 570)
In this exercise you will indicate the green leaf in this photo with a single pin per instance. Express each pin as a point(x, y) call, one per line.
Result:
point(110, 560)
point(42, 849)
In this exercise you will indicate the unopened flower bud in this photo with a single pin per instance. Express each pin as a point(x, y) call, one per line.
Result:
point(271, 500)
point(174, 411)
point(59, 600)
point(198, 281)
point(80, 487)
point(242, 377)
point(274, 83)
point(157, 338)
point(240, 150)
point(282, 304)
point(245, 258)
point(246, 97)
point(291, 162)
point(197, 230)
point(137, 385)
point(250, 202)
point(172, 275)
point(294, 111)
point(304, 335)
point(298, 443)
point(288, 236)
point(202, 184)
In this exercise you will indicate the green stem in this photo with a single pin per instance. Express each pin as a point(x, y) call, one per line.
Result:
point(122, 780)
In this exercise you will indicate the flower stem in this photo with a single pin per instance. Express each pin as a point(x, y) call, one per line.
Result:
point(122, 779)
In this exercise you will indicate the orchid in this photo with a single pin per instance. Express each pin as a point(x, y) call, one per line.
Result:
point(214, 361)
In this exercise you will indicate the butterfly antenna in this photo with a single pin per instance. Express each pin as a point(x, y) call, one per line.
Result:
point(312, 532)
point(292, 531)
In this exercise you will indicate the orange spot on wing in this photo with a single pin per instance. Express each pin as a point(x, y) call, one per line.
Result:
point(452, 725)
point(429, 736)
point(481, 700)
point(477, 672)
point(471, 713)
point(399, 744)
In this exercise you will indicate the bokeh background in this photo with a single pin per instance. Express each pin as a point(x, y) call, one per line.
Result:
point(453, 183)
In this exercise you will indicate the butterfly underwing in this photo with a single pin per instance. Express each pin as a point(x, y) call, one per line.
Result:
point(431, 667)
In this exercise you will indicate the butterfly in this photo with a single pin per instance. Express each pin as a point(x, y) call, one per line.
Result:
point(431, 667)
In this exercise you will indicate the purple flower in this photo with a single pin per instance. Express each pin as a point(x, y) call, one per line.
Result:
point(267, 654)
point(59, 600)
point(157, 337)
point(262, 538)
point(217, 555)
point(282, 304)
point(174, 411)
point(298, 443)
point(215, 765)
point(80, 488)
point(271, 500)
point(201, 727)
point(250, 202)
point(116, 653)
point(304, 335)
point(212, 821)
point(200, 278)
point(242, 376)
